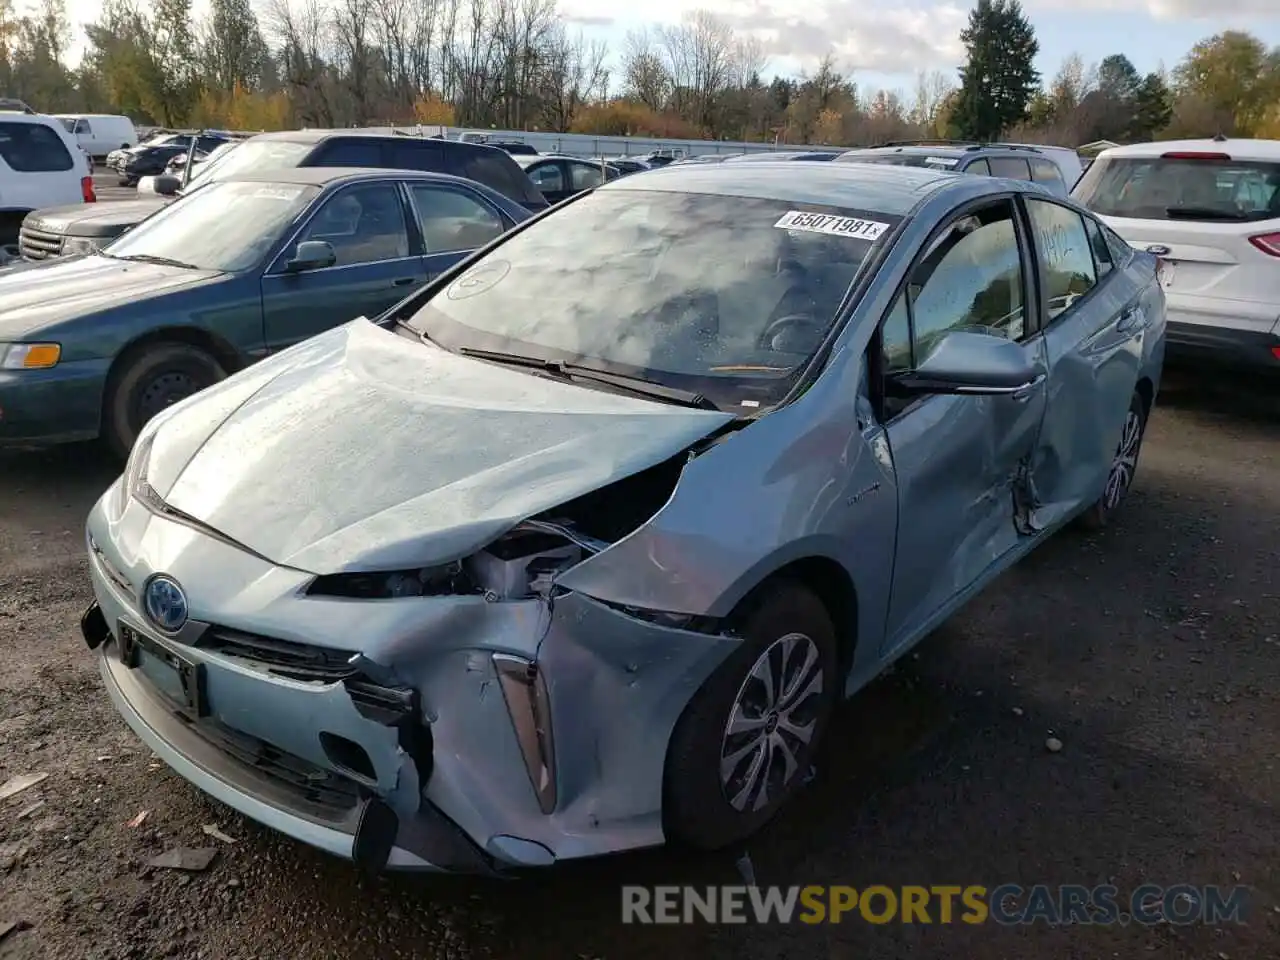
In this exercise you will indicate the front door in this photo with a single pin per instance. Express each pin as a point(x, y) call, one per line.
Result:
point(377, 264)
point(960, 461)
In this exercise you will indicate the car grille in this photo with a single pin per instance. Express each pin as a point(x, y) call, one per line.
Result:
point(297, 661)
point(307, 783)
point(36, 243)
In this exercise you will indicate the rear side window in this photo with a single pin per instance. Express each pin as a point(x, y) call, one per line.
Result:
point(1011, 168)
point(33, 148)
point(349, 153)
point(1046, 171)
point(1062, 244)
point(1206, 189)
point(498, 171)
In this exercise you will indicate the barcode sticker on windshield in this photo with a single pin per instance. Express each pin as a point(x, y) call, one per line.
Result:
point(277, 193)
point(854, 227)
point(942, 161)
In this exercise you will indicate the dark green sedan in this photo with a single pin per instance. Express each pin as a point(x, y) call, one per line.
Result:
point(94, 346)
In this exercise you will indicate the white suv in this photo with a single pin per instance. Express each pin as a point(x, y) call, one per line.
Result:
point(1210, 209)
point(40, 166)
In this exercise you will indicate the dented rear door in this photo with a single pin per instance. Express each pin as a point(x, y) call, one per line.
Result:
point(1096, 307)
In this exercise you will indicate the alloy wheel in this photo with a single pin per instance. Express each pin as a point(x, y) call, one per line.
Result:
point(772, 722)
point(1125, 461)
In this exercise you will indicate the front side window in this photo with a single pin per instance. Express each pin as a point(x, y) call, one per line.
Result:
point(413, 155)
point(547, 177)
point(349, 153)
point(224, 226)
point(1066, 259)
point(451, 220)
point(33, 148)
point(585, 176)
point(726, 296)
point(979, 168)
point(364, 224)
point(1011, 168)
point(970, 278)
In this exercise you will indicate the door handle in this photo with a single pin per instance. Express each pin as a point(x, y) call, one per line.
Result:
point(1024, 392)
point(1131, 319)
point(402, 281)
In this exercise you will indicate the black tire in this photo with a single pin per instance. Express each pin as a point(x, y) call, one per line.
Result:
point(149, 379)
point(1124, 466)
point(697, 809)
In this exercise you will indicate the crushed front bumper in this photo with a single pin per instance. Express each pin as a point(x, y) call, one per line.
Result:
point(417, 753)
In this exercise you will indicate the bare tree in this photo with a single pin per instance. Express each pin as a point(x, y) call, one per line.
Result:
point(645, 75)
point(699, 55)
point(301, 30)
point(932, 90)
point(574, 74)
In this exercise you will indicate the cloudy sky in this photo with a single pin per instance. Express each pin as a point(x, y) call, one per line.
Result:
point(886, 42)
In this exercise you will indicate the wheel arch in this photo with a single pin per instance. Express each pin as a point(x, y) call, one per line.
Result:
point(219, 348)
point(1147, 391)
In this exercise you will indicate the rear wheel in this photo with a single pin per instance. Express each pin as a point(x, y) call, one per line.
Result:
point(1124, 465)
point(745, 743)
point(151, 379)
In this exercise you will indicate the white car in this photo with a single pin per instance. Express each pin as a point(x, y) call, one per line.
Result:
point(41, 165)
point(1210, 209)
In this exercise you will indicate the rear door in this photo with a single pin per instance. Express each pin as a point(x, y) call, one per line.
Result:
point(452, 221)
point(1095, 308)
point(1218, 222)
point(39, 166)
point(378, 263)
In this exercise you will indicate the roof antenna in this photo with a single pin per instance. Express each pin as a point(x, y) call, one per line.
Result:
point(1220, 137)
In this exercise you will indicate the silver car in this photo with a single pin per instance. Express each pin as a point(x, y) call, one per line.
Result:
point(576, 549)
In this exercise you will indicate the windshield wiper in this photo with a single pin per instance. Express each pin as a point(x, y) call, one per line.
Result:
point(575, 371)
point(1204, 213)
point(151, 258)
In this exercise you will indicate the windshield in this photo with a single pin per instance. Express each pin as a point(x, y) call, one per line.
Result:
point(725, 296)
point(255, 156)
point(932, 161)
point(227, 226)
point(1182, 188)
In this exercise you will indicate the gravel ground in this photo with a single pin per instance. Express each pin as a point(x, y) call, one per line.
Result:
point(1152, 651)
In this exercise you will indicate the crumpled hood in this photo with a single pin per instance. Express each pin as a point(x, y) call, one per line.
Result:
point(362, 449)
point(35, 295)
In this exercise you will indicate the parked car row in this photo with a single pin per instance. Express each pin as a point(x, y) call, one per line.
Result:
point(572, 545)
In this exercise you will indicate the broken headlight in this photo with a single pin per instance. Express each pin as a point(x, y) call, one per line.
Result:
point(449, 579)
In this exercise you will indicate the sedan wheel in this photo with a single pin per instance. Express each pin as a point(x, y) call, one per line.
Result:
point(1124, 464)
point(152, 379)
point(746, 741)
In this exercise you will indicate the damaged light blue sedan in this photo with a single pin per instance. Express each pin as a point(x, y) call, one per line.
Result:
point(575, 550)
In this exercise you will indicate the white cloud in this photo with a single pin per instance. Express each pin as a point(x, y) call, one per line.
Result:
point(1167, 10)
point(888, 40)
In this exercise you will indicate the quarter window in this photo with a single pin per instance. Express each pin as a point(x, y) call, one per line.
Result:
point(1062, 245)
point(585, 176)
point(1102, 258)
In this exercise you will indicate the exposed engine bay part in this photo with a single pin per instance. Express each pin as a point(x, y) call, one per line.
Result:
point(525, 561)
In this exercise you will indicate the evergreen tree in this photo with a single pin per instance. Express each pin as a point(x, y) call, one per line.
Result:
point(999, 78)
point(1152, 107)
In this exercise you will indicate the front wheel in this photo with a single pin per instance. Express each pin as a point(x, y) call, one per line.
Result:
point(745, 742)
point(154, 378)
point(1124, 465)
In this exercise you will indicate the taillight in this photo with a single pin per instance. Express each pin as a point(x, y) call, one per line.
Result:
point(86, 190)
point(1268, 243)
point(1194, 155)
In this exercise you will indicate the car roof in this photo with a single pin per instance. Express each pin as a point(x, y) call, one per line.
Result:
point(324, 176)
point(1237, 149)
point(885, 189)
point(376, 133)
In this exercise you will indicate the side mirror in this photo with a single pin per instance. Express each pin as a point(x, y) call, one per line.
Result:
point(311, 255)
point(164, 185)
point(967, 362)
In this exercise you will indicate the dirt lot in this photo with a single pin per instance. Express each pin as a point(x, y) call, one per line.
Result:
point(1151, 651)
